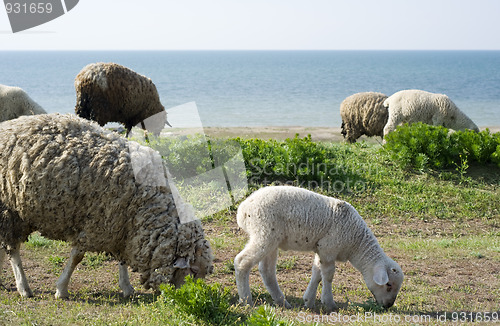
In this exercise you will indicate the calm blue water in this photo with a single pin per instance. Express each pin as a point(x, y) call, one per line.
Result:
point(271, 88)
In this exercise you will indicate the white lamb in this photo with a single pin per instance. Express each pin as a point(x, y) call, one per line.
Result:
point(15, 102)
point(413, 105)
point(291, 218)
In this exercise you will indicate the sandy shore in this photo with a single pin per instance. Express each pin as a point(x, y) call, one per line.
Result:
point(317, 133)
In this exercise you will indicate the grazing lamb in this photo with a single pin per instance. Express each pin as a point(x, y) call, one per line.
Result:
point(71, 180)
point(109, 92)
point(413, 105)
point(15, 102)
point(363, 114)
point(292, 218)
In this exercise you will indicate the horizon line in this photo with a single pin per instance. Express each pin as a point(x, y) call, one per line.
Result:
point(244, 50)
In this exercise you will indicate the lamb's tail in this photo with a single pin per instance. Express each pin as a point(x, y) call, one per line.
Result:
point(241, 217)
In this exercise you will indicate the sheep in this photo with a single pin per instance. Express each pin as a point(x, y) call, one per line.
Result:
point(363, 114)
point(413, 105)
point(292, 218)
point(15, 102)
point(109, 92)
point(71, 180)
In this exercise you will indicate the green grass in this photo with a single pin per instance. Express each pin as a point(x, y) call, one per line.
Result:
point(475, 246)
point(35, 240)
point(286, 263)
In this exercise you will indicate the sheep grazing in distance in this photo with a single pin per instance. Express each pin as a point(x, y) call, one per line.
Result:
point(109, 92)
point(72, 180)
point(15, 102)
point(363, 114)
point(413, 105)
point(291, 218)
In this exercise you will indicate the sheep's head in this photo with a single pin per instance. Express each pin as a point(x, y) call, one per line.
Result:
point(156, 122)
point(200, 266)
point(384, 281)
point(460, 121)
point(453, 117)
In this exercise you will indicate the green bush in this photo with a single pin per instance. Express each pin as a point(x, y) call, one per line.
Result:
point(424, 146)
point(266, 316)
point(209, 303)
point(299, 161)
point(478, 146)
point(495, 157)
point(35, 240)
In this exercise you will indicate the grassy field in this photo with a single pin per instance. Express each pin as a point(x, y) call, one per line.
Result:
point(441, 226)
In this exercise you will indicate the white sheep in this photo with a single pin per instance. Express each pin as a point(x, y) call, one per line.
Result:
point(363, 114)
point(291, 218)
point(413, 105)
point(15, 102)
point(109, 92)
point(71, 180)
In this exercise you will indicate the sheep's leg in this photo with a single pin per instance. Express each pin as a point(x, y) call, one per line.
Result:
point(310, 294)
point(352, 133)
point(267, 269)
point(124, 280)
point(17, 267)
point(143, 126)
point(129, 129)
point(253, 252)
point(327, 271)
point(75, 258)
point(2, 257)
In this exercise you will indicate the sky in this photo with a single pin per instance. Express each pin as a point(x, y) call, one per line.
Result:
point(265, 25)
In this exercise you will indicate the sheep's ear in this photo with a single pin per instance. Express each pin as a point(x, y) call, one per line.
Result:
point(181, 263)
point(380, 276)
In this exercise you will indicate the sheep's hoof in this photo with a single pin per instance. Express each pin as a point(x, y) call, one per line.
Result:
point(308, 303)
point(128, 292)
point(287, 305)
point(246, 301)
point(26, 293)
point(330, 307)
point(62, 294)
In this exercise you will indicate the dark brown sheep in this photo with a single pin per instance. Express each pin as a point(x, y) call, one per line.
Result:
point(109, 92)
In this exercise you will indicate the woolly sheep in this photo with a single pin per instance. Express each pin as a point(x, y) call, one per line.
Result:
point(413, 105)
point(15, 102)
point(109, 92)
point(71, 180)
point(292, 218)
point(363, 114)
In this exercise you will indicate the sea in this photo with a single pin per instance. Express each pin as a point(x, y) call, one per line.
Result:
point(270, 88)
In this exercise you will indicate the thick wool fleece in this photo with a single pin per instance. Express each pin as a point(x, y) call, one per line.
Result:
point(71, 180)
point(363, 114)
point(14, 102)
point(109, 92)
